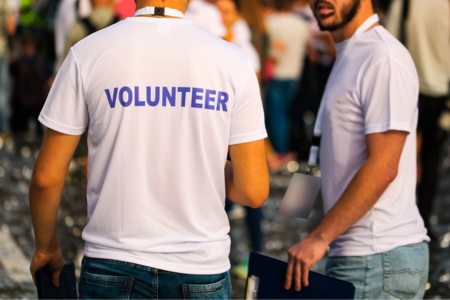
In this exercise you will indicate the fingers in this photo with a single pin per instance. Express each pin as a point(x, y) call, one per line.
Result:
point(305, 276)
point(55, 277)
point(298, 269)
point(290, 269)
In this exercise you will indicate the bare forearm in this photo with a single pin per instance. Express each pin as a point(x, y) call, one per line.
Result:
point(237, 192)
point(362, 193)
point(232, 190)
point(44, 204)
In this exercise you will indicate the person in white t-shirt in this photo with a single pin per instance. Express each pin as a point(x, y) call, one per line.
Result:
point(288, 36)
point(237, 31)
point(66, 15)
point(9, 10)
point(372, 227)
point(161, 114)
point(430, 50)
point(207, 16)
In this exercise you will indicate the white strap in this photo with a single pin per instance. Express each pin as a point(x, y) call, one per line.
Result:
point(163, 11)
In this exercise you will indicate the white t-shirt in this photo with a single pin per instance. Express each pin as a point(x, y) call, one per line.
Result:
point(376, 90)
point(291, 31)
point(163, 99)
point(207, 16)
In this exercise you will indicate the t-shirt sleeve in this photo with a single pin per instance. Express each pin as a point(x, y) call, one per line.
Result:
point(389, 95)
point(65, 109)
point(247, 117)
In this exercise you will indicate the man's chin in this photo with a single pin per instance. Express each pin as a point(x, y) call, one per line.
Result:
point(325, 21)
point(327, 26)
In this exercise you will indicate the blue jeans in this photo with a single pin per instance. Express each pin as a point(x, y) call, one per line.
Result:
point(279, 97)
point(401, 273)
point(112, 279)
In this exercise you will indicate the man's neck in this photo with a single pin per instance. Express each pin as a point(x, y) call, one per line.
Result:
point(175, 4)
point(348, 30)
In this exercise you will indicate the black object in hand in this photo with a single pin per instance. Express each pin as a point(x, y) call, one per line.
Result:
point(67, 283)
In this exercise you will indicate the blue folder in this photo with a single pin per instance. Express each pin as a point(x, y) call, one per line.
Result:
point(266, 276)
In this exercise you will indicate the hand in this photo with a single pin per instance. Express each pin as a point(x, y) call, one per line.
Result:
point(302, 257)
point(42, 258)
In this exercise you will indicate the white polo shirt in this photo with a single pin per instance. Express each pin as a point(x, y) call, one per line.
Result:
point(162, 100)
point(376, 90)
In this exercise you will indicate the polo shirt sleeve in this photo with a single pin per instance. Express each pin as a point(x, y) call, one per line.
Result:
point(247, 116)
point(65, 109)
point(389, 95)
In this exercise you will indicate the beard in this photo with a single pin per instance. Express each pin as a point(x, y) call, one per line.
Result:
point(347, 13)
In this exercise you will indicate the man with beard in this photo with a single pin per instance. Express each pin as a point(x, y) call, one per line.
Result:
point(367, 123)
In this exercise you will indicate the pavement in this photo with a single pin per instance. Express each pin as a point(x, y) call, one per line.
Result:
point(16, 237)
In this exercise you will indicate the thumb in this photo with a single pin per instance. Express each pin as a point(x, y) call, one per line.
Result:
point(55, 277)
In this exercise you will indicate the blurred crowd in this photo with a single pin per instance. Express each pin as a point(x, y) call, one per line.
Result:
point(288, 51)
point(291, 56)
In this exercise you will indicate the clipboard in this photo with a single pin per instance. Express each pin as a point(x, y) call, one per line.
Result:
point(266, 277)
point(67, 283)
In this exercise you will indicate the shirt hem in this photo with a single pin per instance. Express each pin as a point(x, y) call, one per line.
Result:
point(365, 251)
point(400, 126)
point(47, 122)
point(197, 269)
point(250, 137)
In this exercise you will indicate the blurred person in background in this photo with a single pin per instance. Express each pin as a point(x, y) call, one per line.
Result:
point(207, 16)
point(317, 67)
point(8, 20)
point(288, 37)
point(67, 14)
point(30, 84)
point(125, 8)
point(102, 15)
point(424, 28)
point(36, 17)
point(238, 31)
point(252, 12)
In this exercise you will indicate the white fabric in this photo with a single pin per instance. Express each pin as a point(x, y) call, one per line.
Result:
point(428, 36)
point(156, 186)
point(207, 16)
point(291, 31)
point(65, 17)
point(343, 54)
point(243, 39)
point(376, 91)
